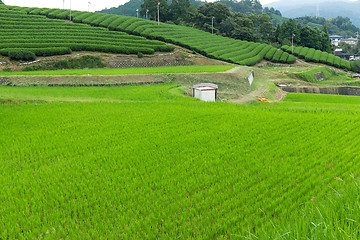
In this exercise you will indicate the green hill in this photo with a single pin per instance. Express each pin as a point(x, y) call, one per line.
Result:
point(46, 37)
point(218, 47)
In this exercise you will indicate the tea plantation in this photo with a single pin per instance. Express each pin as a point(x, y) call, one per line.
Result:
point(231, 50)
point(46, 37)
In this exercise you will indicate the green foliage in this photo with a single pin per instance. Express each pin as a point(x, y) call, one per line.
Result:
point(309, 75)
point(39, 51)
point(125, 71)
point(234, 51)
point(86, 61)
point(355, 66)
point(99, 155)
point(291, 59)
point(277, 56)
point(140, 54)
point(270, 53)
point(21, 55)
point(284, 57)
point(324, 56)
point(303, 52)
point(38, 34)
point(310, 55)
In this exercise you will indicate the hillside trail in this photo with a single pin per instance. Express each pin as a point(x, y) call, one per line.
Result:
point(261, 90)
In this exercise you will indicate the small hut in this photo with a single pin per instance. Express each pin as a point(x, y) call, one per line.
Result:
point(205, 91)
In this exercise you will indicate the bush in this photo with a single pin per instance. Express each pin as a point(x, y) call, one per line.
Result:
point(303, 52)
point(269, 55)
point(309, 55)
point(277, 56)
point(86, 61)
point(317, 55)
point(330, 59)
point(355, 66)
point(291, 59)
point(324, 56)
point(297, 50)
point(21, 55)
point(284, 57)
point(140, 54)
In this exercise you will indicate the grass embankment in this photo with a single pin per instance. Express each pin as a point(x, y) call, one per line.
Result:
point(124, 71)
point(144, 164)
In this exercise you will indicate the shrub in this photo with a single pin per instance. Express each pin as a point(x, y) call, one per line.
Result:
point(303, 52)
point(324, 56)
point(330, 59)
point(337, 62)
point(285, 48)
point(297, 50)
point(317, 55)
point(277, 56)
point(355, 66)
point(269, 55)
point(21, 55)
point(309, 55)
point(284, 57)
point(140, 54)
point(291, 59)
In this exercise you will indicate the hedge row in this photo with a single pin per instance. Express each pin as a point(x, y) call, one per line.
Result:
point(218, 47)
point(49, 51)
point(312, 55)
point(83, 47)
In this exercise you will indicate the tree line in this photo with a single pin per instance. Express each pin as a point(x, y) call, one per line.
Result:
point(245, 20)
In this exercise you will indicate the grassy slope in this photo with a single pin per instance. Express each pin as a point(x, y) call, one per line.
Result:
point(161, 164)
point(127, 71)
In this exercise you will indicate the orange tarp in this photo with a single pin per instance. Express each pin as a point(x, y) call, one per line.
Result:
point(264, 100)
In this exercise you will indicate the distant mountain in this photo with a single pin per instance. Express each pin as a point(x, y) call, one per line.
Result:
point(325, 8)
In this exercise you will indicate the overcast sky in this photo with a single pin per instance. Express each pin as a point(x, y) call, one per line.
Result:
point(77, 4)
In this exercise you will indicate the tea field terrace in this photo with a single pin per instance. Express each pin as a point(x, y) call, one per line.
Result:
point(48, 37)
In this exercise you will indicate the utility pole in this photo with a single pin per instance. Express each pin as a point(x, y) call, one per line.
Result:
point(147, 12)
point(89, 3)
point(158, 8)
point(212, 26)
point(137, 13)
point(70, 10)
point(63, 4)
point(292, 44)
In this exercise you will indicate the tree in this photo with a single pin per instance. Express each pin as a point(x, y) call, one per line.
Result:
point(151, 7)
point(218, 10)
point(179, 10)
point(325, 40)
point(263, 26)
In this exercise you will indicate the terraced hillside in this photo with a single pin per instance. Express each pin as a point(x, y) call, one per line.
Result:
point(46, 37)
point(317, 56)
point(226, 49)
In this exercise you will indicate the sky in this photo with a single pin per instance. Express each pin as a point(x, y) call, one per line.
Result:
point(81, 5)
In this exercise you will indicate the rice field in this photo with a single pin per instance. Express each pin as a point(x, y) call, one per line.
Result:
point(140, 162)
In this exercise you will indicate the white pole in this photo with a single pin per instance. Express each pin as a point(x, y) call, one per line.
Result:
point(70, 10)
point(158, 8)
point(137, 13)
point(63, 4)
point(147, 12)
point(292, 44)
point(212, 26)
